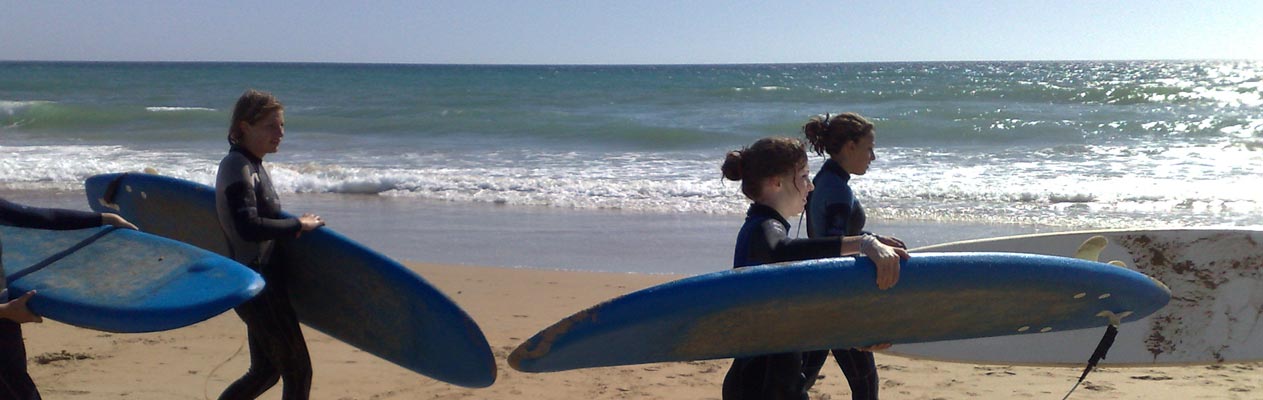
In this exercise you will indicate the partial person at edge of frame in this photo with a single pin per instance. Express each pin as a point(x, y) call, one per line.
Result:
point(15, 381)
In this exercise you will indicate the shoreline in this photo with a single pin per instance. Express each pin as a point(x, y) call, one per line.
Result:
point(483, 234)
point(510, 305)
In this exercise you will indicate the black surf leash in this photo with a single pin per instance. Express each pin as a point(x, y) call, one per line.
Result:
point(1101, 348)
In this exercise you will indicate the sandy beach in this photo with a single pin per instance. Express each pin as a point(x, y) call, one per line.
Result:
point(511, 304)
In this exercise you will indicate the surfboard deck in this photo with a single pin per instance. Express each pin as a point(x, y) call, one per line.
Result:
point(336, 285)
point(1215, 315)
point(834, 303)
point(120, 280)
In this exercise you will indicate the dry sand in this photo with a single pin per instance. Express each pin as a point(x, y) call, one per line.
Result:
point(510, 305)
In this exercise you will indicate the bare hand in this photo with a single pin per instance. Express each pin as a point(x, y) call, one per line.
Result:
point(17, 311)
point(885, 258)
point(116, 220)
point(891, 241)
point(311, 221)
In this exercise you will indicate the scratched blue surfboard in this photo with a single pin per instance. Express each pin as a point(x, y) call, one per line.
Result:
point(121, 280)
point(834, 303)
point(336, 285)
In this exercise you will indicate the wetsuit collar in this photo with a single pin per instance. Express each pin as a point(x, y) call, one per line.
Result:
point(250, 156)
point(834, 167)
point(761, 210)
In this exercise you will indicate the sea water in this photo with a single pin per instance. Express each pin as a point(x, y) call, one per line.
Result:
point(538, 153)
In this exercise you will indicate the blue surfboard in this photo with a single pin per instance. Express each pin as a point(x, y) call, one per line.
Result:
point(120, 280)
point(835, 303)
point(336, 285)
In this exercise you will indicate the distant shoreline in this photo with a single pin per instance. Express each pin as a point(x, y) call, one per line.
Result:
point(439, 64)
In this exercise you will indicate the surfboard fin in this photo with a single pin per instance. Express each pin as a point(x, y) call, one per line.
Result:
point(111, 191)
point(1091, 249)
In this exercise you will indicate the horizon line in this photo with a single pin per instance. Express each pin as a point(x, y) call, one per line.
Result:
point(615, 64)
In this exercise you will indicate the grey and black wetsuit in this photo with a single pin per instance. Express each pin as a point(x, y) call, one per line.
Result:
point(250, 214)
point(764, 239)
point(15, 382)
point(833, 210)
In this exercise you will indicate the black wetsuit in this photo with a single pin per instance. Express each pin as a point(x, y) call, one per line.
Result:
point(764, 239)
point(15, 382)
point(250, 214)
point(833, 210)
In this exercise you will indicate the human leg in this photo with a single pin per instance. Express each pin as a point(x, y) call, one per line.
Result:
point(15, 382)
point(262, 374)
point(860, 370)
point(813, 362)
point(783, 377)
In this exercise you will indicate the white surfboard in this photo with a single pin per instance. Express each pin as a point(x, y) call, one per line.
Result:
point(1215, 314)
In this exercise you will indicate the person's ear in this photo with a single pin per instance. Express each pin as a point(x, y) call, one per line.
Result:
point(776, 182)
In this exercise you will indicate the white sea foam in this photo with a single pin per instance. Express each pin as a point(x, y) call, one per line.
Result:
point(176, 109)
point(1149, 189)
point(11, 107)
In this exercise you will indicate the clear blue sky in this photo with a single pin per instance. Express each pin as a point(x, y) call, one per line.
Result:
point(628, 31)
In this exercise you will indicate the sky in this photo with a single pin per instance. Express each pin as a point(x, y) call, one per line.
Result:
point(628, 31)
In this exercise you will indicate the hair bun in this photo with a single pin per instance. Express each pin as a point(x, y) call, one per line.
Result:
point(732, 165)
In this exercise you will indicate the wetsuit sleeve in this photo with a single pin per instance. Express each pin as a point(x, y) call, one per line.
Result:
point(782, 248)
point(242, 197)
point(14, 214)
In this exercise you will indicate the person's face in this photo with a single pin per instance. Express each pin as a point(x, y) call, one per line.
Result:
point(858, 155)
point(264, 137)
point(793, 192)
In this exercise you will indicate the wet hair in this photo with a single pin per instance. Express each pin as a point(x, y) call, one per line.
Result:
point(828, 135)
point(767, 157)
point(253, 106)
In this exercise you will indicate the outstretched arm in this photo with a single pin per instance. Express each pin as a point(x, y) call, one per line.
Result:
point(14, 214)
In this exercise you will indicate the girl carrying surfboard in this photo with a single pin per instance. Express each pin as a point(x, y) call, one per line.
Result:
point(250, 215)
point(847, 140)
point(774, 175)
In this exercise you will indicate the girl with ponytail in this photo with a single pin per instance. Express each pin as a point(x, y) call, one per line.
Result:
point(847, 140)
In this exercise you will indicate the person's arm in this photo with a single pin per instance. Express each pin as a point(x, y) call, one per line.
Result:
point(241, 195)
point(17, 311)
point(890, 241)
point(885, 257)
point(116, 220)
point(782, 248)
point(18, 215)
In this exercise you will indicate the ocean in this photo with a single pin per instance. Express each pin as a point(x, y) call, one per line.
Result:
point(533, 165)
